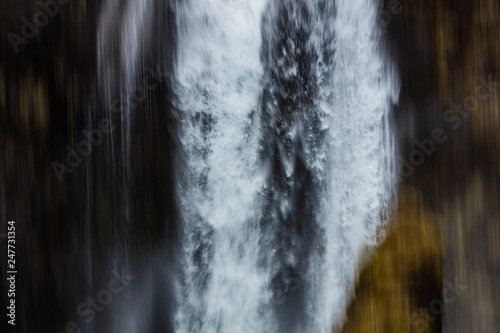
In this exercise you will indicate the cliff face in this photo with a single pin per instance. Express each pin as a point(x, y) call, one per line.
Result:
point(73, 230)
point(448, 55)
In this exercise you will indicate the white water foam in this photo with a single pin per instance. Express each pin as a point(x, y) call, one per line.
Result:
point(218, 75)
point(358, 99)
point(218, 72)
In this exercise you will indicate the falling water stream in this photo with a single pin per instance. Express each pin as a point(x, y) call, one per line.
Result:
point(284, 126)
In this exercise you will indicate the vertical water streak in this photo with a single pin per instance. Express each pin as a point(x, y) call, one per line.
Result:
point(122, 37)
point(218, 75)
point(123, 26)
point(358, 96)
point(294, 155)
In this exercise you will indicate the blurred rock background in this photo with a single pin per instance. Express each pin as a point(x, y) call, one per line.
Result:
point(48, 95)
point(447, 223)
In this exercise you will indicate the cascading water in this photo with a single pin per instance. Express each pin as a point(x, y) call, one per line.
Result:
point(219, 76)
point(288, 171)
point(358, 92)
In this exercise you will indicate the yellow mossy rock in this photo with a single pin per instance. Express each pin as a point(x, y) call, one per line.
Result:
point(405, 275)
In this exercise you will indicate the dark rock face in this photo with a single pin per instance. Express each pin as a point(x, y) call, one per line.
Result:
point(106, 212)
point(445, 52)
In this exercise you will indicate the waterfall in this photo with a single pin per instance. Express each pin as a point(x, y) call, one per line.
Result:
point(284, 126)
point(357, 96)
point(219, 76)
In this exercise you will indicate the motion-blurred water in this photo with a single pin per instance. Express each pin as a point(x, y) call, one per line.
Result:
point(245, 189)
point(284, 109)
